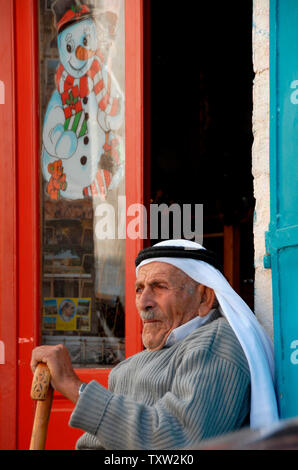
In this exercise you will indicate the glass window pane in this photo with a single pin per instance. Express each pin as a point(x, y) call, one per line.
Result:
point(82, 161)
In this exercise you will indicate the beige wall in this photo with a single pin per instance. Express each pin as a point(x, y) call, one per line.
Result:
point(260, 159)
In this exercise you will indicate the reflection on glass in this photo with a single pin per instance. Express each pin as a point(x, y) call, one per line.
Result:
point(82, 165)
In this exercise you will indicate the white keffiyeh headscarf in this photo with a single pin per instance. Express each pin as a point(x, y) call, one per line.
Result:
point(255, 342)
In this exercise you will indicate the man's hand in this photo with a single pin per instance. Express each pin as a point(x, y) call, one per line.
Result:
point(63, 377)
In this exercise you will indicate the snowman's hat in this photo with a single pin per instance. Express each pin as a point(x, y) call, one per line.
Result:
point(67, 12)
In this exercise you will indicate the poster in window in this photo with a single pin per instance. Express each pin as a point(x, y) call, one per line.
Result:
point(67, 314)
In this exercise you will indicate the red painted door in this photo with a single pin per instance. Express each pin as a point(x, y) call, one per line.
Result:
point(8, 241)
point(44, 280)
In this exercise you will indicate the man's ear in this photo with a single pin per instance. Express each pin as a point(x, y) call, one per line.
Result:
point(207, 300)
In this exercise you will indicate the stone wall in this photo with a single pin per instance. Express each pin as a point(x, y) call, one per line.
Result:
point(260, 160)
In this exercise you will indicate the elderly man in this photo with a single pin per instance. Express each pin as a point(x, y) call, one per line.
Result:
point(205, 371)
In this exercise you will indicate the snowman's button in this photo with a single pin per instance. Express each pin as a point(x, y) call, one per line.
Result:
point(86, 140)
point(83, 160)
point(85, 99)
point(86, 116)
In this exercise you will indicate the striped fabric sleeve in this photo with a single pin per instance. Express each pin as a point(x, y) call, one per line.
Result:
point(208, 397)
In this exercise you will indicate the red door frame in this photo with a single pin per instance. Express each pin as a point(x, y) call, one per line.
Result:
point(8, 240)
point(28, 215)
point(28, 275)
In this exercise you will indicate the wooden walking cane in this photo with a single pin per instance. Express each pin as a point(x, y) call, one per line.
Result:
point(42, 392)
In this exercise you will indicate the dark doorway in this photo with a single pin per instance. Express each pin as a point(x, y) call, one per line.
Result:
point(201, 123)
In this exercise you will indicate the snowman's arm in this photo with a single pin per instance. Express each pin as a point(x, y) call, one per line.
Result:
point(53, 124)
point(58, 142)
point(106, 121)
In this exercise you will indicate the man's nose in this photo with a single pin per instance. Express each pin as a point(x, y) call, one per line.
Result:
point(145, 301)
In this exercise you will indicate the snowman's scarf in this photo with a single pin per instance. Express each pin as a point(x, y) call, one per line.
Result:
point(73, 90)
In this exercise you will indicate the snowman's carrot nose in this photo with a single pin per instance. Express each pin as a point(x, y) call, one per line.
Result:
point(84, 54)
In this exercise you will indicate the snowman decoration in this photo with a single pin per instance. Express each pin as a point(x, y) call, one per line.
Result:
point(80, 155)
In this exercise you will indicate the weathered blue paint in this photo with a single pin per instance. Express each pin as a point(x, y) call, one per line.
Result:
point(282, 236)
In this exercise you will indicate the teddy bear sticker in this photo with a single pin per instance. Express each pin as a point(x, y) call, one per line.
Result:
point(57, 181)
point(80, 153)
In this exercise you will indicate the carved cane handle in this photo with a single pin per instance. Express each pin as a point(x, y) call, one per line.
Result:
point(41, 382)
point(42, 392)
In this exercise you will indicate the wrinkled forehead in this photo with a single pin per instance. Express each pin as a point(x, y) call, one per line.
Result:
point(161, 270)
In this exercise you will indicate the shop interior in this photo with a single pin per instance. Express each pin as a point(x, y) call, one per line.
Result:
point(201, 78)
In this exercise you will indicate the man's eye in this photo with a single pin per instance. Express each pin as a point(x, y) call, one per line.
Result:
point(160, 286)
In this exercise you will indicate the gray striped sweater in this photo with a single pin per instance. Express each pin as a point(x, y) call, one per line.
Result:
point(172, 398)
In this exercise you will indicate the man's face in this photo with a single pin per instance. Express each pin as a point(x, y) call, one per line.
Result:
point(165, 298)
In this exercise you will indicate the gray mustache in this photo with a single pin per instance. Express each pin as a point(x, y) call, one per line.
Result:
point(147, 314)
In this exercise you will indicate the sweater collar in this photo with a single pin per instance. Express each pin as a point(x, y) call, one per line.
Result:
point(187, 328)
